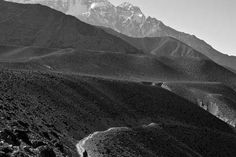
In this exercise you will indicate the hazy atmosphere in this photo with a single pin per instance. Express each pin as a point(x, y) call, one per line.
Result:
point(211, 20)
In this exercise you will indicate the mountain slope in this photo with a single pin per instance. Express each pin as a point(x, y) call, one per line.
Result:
point(73, 46)
point(22, 53)
point(151, 141)
point(134, 67)
point(216, 98)
point(130, 20)
point(49, 113)
point(160, 46)
point(36, 25)
point(60, 83)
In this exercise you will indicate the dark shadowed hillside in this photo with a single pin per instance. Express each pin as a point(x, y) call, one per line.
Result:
point(131, 21)
point(47, 112)
point(37, 25)
point(20, 53)
point(73, 46)
point(216, 98)
point(160, 46)
point(69, 89)
point(134, 67)
point(128, 66)
point(157, 140)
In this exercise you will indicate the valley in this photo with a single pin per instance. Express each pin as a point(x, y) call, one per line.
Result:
point(72, 89)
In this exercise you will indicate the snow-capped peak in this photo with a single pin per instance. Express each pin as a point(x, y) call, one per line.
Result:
point(126, 5)
point(100, 3)
point(125, 18)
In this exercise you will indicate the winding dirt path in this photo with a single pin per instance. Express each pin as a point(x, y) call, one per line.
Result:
point(81, 144)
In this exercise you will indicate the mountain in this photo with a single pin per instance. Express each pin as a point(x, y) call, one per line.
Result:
point(79, 50)
point(129, 20)
point(66, 84)
point(61, 5)
point(39, 26)
point(216, 98)
point(37, 37)
point(49, 113)
point(160, 46)
point(151, 140)
point(120, 66)
point(181, 63)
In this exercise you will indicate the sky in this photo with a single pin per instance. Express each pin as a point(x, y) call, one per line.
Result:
point(211, 20)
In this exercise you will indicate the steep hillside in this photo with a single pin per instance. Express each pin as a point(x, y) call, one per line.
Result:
point(216, 98)
point(156, 140)
point(49, 113)
point(160, 46)
point(69, 45)
point(69, 89)
point(19, 53)
point(37, 25)
point(138, 67)
point(131, 21)
point(134, 67)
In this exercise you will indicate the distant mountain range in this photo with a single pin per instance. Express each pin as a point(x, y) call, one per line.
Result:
point(40, 26)
point(130, 20)
point(70, 45)
point(37, 37)
point(66, 83)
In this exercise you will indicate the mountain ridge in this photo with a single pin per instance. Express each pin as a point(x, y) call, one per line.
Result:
point(37, 25)
point(83, 47)
point(129, 20)
point(91, 50)
point(62, 79)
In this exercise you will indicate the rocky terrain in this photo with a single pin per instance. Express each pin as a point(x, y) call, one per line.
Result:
point(70, 89)
point(39, 26)
point(51, 112)
point(130, 20)
point(136, 67)
point(53, 49)
point(151, 141)
point(216, 98)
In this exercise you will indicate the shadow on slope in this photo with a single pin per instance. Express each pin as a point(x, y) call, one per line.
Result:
point(159, 140)
point(148, 44)
point(137, 67)
point(18, 54)
point(58, 110)
point(216, 98)
point(160, 46)
point(129, 66)
point(41, 26)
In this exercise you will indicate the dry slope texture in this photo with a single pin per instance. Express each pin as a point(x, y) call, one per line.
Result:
point(52, 112)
